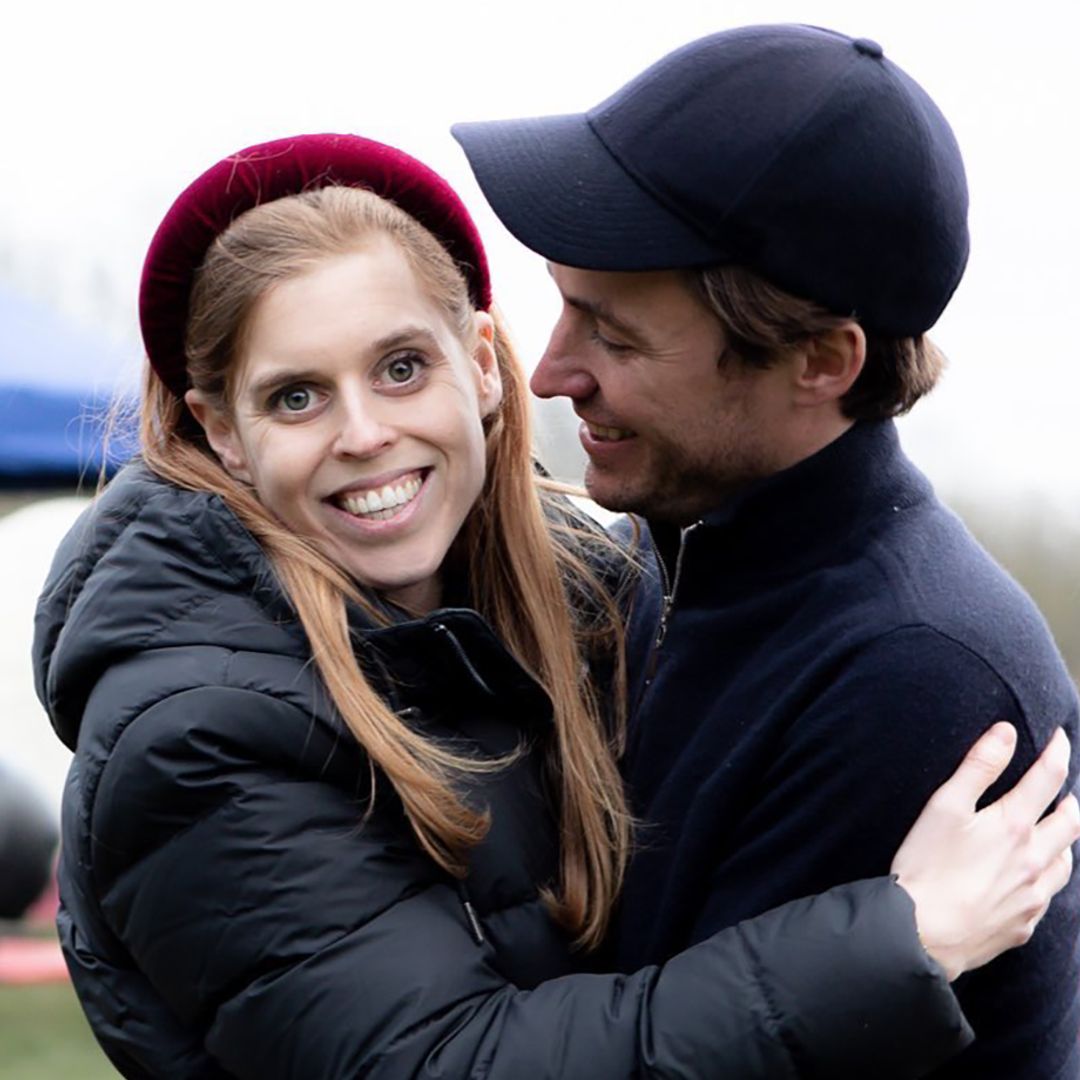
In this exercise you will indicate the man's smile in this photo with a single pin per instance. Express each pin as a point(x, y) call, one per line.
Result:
point(607, 434)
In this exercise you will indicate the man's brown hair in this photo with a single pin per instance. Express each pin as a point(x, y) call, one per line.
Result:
point(761, 321)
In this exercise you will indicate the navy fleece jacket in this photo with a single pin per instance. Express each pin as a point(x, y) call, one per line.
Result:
point(836, 642)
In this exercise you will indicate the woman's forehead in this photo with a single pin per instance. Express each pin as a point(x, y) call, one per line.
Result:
point(346, 306)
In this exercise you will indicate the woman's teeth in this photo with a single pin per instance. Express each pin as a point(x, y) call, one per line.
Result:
point(384, 502)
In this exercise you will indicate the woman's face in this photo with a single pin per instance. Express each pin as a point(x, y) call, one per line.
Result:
point(357, 418)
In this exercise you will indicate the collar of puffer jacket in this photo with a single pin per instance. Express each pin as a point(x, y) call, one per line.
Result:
point(149, 565)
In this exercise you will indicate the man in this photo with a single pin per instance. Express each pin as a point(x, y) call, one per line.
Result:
point(751, 240)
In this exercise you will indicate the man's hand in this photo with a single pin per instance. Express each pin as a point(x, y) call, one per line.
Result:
point(982, 880)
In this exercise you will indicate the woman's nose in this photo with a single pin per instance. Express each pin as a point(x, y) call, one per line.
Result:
point(364, 430)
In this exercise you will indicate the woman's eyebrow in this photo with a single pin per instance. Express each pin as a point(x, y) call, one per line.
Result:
point(406, 335)
point(274, 380)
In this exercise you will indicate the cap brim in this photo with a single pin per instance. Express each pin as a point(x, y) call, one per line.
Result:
point(561, 192)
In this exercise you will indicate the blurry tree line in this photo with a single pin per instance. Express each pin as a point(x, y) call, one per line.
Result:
point(1040, 546)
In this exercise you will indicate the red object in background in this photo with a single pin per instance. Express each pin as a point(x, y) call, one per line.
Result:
point(43, 910)
point(30, 960)
point(25, 960)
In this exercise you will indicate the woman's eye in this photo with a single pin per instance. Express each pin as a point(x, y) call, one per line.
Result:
point(293, 399)
point(402, 369)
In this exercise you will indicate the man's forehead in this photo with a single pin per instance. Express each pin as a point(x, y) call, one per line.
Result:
point(634, 301)
point(611, 286)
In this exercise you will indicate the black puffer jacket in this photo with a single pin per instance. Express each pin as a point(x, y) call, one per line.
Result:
point(225, 912)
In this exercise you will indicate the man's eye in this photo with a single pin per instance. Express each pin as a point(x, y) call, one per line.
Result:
point(609, 345)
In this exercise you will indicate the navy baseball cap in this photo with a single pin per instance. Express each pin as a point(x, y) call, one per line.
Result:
point(798, 152)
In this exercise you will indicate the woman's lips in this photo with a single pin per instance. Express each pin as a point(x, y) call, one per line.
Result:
point(383, 501)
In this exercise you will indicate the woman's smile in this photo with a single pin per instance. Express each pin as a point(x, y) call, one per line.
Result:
point(383, 511)
point(379, 503)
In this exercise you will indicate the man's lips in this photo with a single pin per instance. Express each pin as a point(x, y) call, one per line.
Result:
point(605, 433)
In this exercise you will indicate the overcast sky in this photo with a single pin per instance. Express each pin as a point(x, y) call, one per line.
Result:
point(111, 108)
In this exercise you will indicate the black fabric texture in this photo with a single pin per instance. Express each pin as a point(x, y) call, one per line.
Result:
point(836, 642)
point(227, 910)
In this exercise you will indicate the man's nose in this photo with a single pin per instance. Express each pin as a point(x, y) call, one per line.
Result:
point(562, 372)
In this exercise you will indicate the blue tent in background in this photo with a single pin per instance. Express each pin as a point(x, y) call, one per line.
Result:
point(57, 385)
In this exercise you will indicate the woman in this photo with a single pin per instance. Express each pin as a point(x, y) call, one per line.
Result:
point(335, 666)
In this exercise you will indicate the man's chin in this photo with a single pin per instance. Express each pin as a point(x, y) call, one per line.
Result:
point(621, 497)
point(614, 493)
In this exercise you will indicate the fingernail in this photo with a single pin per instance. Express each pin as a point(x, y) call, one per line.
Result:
point(1003, 734)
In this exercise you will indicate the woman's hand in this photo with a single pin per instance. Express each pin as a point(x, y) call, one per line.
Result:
point(981, 881)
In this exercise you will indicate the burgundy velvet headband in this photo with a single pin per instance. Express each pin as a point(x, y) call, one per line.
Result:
point(270, 171)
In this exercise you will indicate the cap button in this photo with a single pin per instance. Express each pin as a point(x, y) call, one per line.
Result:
point(869, 48)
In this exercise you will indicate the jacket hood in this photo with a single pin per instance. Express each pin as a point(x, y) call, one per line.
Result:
point(210, 584)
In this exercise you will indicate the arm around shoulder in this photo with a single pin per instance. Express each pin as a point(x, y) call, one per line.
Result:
point(257, 905)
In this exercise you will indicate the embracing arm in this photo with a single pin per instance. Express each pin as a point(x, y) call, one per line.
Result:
point(983, 879)
point(254, 902)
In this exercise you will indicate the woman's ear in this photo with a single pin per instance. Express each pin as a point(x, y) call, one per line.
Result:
point(830, 364)
point(489, 379)
point(220, 434)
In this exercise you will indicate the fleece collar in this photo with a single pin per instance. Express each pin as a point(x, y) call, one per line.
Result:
point(801, 517)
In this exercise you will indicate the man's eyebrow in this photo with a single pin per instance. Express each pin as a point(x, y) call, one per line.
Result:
point(396, 339)
point(604, 314)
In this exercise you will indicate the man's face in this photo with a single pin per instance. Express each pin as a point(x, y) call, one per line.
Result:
point(670, 428)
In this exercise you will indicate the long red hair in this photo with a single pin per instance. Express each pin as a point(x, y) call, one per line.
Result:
point(525, 556)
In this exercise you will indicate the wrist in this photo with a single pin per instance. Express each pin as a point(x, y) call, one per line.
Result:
point(948, 956)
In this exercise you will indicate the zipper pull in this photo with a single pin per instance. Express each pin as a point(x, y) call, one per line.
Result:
point(661, 633)
point(665, 614)
point(670, 588)
point(471, 917)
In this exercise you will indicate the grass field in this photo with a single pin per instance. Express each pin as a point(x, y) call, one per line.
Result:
point(44, 1036)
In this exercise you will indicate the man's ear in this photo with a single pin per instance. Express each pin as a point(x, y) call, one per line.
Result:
point(489, 389)
point(220, 434)
point(829, 364)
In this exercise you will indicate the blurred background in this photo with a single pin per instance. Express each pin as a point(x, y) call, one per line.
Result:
point(112, 108)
